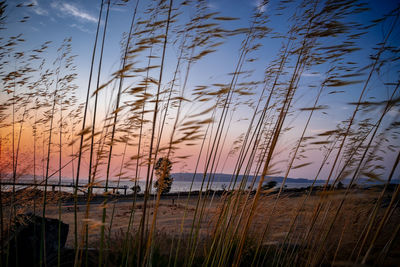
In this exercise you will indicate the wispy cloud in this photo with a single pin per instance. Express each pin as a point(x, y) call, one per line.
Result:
point(313, 74)
point(72, 10)
point(37, 9)
point(212, 6)
point(261, 5)
point(394, 113)
point(318, 131)
point(118, 9)
point(81, 28)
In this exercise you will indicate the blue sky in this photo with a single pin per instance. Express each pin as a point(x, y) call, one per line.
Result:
point(55, 20)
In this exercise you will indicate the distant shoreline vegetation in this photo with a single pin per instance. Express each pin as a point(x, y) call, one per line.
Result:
point(198, 177)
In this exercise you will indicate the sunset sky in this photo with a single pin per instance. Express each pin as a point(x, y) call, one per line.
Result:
point(56, 20)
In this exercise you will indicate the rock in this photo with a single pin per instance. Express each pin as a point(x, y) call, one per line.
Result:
point(25, 241)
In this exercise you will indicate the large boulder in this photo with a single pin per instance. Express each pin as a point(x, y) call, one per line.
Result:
point(25, 241)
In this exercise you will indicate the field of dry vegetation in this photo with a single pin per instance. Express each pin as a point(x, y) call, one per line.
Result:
point(313, 90)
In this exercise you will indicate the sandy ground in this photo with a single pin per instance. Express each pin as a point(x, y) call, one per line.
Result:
point(169, 217)
point(272, 218)
point(276, 218)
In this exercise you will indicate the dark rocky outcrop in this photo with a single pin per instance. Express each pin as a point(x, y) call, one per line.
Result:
point(25, 242)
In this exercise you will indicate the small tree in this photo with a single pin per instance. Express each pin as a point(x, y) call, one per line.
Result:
point(269, 185)
point(136, 189)
point(163, 173)
point(340, 185)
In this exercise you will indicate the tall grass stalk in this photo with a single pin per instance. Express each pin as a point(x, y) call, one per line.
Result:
point(82, 133)
point(211, 163)
point(391, 206)
point(379, 201)
point(147, 255)
point(43, 236)
point(377, 57)
point(90, 178)
point(124, 62)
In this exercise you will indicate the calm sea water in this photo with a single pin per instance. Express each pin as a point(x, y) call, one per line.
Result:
point(176, 186)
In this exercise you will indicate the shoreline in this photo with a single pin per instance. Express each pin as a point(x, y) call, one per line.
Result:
point(290, 192)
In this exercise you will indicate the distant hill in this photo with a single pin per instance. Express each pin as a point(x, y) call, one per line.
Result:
point(226, 178)
point(222, 177)
point(187, 177)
